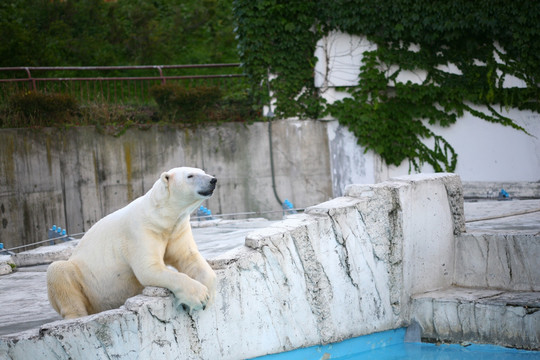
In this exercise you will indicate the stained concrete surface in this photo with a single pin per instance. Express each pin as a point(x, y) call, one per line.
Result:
point(23, 293)
point(23, 298)
point(85, 176)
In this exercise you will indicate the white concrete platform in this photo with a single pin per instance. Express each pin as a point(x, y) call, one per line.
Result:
point(498, 261)
point(25, 305)
point(371, 261)
point(23, 293)
point(496, 294)
point(456, 314)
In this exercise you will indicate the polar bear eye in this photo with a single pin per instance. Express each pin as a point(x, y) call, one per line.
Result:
point(189, 176)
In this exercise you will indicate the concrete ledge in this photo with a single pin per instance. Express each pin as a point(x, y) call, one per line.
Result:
point(297, 286)
point(345, 268)
point(497, 317)
point(454, 191)
point(508, 262)
point(451, 183)
point(490, 190)
point(45, 254)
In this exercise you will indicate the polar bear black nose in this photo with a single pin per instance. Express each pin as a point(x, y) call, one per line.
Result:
point(213, 181)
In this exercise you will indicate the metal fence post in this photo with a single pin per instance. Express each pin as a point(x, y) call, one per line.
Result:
point(30, 78)
point(163, 81)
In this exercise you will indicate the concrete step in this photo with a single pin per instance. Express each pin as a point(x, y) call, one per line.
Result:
point(458, 314)
point(508, 261)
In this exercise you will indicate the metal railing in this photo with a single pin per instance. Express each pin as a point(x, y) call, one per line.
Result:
point(114, 84)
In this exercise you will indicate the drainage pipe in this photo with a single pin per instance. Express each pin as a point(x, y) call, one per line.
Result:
point(270, 117)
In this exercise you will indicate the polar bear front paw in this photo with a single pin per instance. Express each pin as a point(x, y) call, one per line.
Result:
point(194, 298)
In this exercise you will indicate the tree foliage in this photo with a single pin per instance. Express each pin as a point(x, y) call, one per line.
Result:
point(127, 32)
point(487, 40)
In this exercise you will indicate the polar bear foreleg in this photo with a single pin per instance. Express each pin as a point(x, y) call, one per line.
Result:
point(198, 269)
point(184, 256)
point(187, 291)
point(149, 268)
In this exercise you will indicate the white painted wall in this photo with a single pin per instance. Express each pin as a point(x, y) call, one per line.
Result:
point(492, 152)
point(487, 152)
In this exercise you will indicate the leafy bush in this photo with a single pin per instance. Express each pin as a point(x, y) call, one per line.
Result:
point(185, 103)
point(35, 108)
point(175, 105)
point(234, 110)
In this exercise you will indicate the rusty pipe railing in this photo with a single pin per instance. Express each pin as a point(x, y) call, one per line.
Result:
point(35, 83)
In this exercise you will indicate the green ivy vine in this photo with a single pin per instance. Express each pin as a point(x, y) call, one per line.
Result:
point(279, 38)
point(487, 40)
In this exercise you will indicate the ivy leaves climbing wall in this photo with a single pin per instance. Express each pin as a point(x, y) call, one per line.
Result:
point(278, 38)
point(487, 41)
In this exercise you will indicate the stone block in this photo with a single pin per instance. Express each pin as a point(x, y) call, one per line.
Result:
point(5, 267)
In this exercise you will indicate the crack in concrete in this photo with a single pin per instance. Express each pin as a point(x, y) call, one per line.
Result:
point(154, 316)
point(319, 291)
point(343, 245)
point(195, 341)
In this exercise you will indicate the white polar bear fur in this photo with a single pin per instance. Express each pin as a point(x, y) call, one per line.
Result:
point(131, 248)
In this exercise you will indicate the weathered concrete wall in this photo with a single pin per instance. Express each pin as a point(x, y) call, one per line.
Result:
point(74, 177)
point(498, 261)
point(482, 315)
point(345, 268)
point(483, 169)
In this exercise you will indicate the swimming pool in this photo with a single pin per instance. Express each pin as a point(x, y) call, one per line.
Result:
point(390, 345)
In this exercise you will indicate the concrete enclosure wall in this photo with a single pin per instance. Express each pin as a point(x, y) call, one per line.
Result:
point(344, 268)
point(74, 177)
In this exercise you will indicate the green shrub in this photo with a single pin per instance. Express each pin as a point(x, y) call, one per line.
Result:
point(36, 108)
point(183, 103)
point(175, 105)
point(234, 110)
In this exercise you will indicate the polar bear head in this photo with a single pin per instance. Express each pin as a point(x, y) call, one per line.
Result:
point(184, 186)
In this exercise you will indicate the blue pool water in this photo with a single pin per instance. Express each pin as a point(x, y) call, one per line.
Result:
point(390, 345)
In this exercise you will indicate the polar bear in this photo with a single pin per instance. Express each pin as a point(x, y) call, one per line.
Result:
point(131, 248)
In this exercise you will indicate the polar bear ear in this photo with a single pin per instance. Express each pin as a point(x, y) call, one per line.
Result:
point(166, 177)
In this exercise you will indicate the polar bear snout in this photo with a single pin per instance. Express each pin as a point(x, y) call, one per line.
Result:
point(209, 187)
